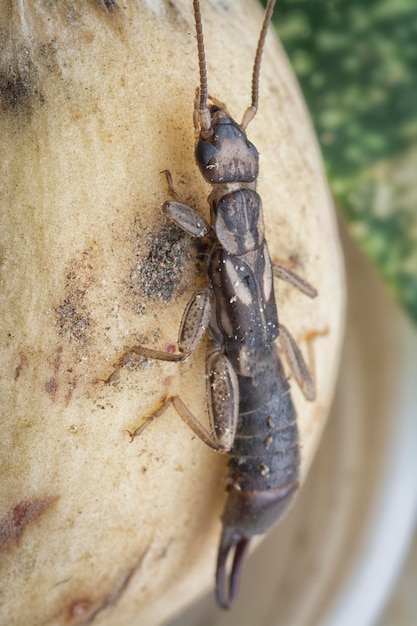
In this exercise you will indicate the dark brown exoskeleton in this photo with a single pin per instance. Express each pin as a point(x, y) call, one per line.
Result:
point(252, 415)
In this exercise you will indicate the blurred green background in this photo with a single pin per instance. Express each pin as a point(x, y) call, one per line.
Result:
point(356, 62)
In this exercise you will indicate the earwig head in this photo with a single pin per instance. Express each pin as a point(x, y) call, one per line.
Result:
point(202, 109)
point(247, 513)
point(223, 153)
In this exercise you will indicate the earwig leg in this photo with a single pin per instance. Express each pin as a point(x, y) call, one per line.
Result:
point(194, 323)
point(223, 394)
point(291, 277)
point(309, 337)
point(297, 364)
point(186, 218)
point(170, 184)
point(189, 418)
point(223, 406)
point(146, 353)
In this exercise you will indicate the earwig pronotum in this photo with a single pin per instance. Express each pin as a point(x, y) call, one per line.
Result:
point(252, 416)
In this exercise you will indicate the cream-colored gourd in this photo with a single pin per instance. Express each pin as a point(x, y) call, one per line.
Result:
point(96, 98)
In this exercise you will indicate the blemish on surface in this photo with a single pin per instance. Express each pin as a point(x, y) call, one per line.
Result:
point(57, 359)
point(51, 387)
point(14, 522)
point(20, 366)
point(19, 88)
point(174, 12)
point(73, 318)
point(72, 384)
point(72, 315)
point(109, 6)
point(161, 256)
point(164, 551)
point(83, 611)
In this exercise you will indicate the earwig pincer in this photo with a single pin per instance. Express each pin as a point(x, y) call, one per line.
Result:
point(252, 415)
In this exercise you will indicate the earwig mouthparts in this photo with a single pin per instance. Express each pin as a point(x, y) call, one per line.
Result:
point(235, 546)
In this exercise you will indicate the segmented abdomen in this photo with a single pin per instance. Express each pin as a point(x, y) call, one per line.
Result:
point(266, 452)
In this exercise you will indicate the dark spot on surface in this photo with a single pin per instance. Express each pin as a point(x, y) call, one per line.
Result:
point(110, 6)
point(159, 271)
point(48, 55)
point(73, 318)
point(51, 387)
point(294, 260)
point(72, 315)
point(57, 359)
point(18, 369)
point(71, 387)
point(19, 90)
point(14, 522)
point(174, 12)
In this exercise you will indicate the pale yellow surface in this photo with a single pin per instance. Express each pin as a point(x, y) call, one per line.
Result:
point(94, 106)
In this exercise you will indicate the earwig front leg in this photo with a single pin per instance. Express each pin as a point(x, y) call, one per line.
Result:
point(297, 364)
point(194, 323)
point(223, 407)
point(187, 218)
point(282, 272)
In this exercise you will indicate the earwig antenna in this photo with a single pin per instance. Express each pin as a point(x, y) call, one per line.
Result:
point(203, 110)
point(251, 110)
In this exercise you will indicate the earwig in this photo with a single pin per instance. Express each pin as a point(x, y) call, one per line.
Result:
point(252, 415)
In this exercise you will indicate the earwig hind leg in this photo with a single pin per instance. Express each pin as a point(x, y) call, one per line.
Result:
point(194, 323)
point(282, 272)
point(223, 398)
point(309, 337)
point(188, 417)
point(297, 364)
point(223, 406)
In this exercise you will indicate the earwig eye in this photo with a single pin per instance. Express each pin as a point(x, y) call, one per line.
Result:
point(204, 152)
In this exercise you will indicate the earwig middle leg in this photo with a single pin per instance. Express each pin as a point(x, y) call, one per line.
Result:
point(146, 353)
point(194, 323)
